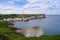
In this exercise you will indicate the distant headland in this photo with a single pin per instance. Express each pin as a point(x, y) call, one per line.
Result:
point(21, 17)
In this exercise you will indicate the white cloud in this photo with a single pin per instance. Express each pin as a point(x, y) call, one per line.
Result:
point(33, 7)
point(15, 0)
point(11, 2)
point(44, 6)
point(32, 1)
point(10, 10)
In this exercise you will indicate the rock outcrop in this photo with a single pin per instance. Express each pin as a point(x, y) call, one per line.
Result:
point(31, 32)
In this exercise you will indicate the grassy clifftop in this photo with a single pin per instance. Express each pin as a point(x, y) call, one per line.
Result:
point(20, 15)
point(7, 33)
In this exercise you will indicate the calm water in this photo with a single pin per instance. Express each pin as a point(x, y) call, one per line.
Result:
point(50, 25)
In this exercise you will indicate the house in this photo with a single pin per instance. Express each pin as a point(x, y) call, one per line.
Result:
point(31, 32)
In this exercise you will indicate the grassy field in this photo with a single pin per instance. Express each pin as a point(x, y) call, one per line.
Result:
point(7, 33)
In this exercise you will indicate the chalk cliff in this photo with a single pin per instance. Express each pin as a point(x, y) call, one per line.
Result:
point(31, 32)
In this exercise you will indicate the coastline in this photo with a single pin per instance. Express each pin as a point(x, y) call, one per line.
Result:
point(9, 33)
point(23, 17)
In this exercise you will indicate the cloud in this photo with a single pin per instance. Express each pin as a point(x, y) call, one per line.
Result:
point(14, 0)
point(11, 2)
point(43, 6)
point(10, 10)
point(33, 7)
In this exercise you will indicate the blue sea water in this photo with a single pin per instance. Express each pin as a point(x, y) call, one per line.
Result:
point(50, 24)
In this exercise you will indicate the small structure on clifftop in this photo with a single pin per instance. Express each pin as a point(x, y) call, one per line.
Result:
point(31, 32)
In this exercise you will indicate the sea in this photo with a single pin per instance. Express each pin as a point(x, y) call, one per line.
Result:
point(50, 25)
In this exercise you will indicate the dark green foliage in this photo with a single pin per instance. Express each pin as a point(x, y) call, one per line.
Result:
point(18, 15)
point(3, 37)
point(8, 16)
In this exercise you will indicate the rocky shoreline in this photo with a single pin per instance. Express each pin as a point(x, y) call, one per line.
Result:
point(40, 16)
point(31, 32)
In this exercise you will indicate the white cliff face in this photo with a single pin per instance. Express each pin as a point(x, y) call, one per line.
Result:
point(33, 32)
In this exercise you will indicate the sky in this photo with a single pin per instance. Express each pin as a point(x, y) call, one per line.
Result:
point(49, 7)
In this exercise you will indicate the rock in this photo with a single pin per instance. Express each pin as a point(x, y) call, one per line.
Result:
point(31, 32)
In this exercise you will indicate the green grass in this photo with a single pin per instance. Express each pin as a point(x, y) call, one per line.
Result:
point(7, 33)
